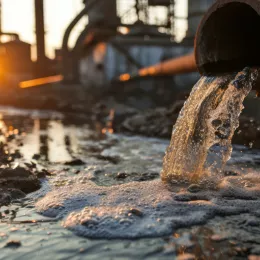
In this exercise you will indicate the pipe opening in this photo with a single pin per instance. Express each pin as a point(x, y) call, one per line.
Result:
point(229, 39)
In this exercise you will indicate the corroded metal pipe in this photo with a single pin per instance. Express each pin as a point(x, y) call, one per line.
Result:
point(228, 37)
point(227, 40)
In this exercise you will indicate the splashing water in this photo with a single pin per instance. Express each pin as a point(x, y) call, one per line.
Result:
point(201, 139)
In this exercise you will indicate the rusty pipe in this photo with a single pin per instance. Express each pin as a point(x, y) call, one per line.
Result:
point(180, 65)
point(227, 40)
point(228, 37)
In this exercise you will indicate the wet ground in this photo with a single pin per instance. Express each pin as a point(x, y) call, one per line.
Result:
point(81, 153)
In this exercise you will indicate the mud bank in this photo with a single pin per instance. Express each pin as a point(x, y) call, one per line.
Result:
point(108, 186)
point(159, 123)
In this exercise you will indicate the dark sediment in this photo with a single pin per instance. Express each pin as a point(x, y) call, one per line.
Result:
point(248, 132)
point(20, 179)
point(75, 162)
point(16, 183)
point(159, 123)
point(7, 195)
point(13, 244)
point(155, 123)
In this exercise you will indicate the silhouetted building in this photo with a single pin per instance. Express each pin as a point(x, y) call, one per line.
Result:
point(103, 13)
point(15, 62)
point(41, 63)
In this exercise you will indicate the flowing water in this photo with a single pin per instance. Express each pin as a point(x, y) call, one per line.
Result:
point(114, 206)
point(201, 139)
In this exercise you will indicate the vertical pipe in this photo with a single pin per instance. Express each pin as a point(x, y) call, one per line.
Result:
point(40, 37)
point(1, 29)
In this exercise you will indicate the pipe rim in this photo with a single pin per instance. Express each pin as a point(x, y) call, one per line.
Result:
point(255, 4)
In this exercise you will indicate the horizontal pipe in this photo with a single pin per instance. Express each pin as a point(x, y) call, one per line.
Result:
point(40, 81)
point(180, 65)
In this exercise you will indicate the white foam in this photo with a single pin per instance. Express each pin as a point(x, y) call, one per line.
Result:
point(146, 209)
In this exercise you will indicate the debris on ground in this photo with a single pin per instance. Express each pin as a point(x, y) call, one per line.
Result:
point(75, 162)
point(159, 122)
point(13, 244)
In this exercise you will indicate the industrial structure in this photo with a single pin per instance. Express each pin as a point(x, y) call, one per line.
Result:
point(15, 55)
point(120, 38)
point(40, 38)
point(196, 11)
point(123, 36)
point(119, 31)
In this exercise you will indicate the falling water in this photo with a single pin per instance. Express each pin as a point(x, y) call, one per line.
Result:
point(201, 139)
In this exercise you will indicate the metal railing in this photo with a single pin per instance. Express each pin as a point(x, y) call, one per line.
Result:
point(131, 11)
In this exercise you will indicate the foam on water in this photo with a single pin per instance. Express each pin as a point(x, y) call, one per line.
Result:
point(201, 139)
point(147, 209)
point(200, 147)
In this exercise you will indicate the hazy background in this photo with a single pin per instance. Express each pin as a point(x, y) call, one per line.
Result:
point(18, 16)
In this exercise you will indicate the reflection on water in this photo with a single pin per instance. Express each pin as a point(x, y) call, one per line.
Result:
point(134, 159)
point(56, 143)
point(31, 144)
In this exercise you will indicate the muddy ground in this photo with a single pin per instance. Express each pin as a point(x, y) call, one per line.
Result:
point(108, 143)
point(44, 150)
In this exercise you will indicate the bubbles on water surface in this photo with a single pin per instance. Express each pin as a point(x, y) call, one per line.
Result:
point(148, 209)
point(151, 208)
point(201, 139)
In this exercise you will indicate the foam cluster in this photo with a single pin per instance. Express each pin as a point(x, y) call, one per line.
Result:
point(147, 209)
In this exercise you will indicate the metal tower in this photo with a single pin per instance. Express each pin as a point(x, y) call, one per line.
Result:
point(1, 29)
point(40, 37)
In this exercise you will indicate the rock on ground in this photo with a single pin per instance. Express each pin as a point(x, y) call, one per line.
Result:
point(15, 183)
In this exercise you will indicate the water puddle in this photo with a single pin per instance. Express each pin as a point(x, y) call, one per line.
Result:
point(109, 187)
point(56, 143)
point(32, 142)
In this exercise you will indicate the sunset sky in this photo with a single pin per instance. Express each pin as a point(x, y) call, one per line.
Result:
point(18, 16)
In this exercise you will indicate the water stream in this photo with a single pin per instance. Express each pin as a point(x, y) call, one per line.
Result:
point(114, 204)
point(117, 198)
point(201, 139)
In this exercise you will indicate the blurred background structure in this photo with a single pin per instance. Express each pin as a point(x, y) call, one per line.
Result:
point(132, 35)
point(196, 10)
point(117, 39)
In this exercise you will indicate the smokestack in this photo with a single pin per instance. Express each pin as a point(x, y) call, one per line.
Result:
point(40, 37)
point(1, 29)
